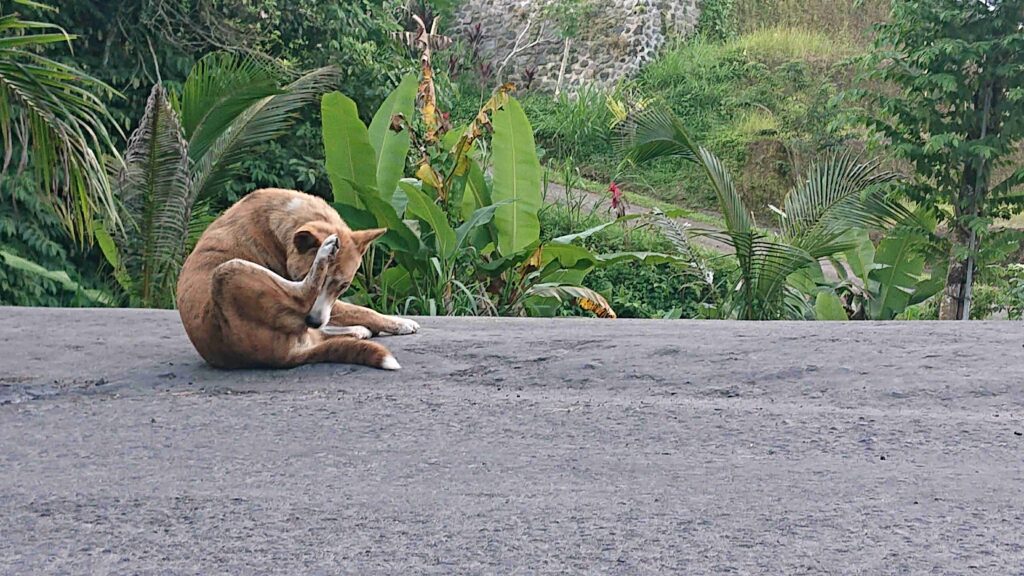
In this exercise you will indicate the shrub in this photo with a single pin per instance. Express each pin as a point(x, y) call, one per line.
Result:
point(636, 289)
point(30, 230)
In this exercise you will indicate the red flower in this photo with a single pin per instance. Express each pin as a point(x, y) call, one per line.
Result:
point(618, 202)
point(616, 194)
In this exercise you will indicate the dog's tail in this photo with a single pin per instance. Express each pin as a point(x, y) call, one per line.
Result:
point(348, 351)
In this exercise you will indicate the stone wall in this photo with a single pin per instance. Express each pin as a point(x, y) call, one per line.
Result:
point(621, 37)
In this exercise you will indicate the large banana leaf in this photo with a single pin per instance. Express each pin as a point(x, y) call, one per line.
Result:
point(585, 297)
point(156, 196)
point(479, 191)
point(827, 306)
point(349, 155)
point(478, 219)
point(381, 214)
point(898, 270)
point(393, 147)
point(422, 207)
point(517, 177)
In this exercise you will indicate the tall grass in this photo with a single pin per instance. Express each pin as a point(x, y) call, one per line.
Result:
point(849, 19)
point(789, 43)
point(572, 125)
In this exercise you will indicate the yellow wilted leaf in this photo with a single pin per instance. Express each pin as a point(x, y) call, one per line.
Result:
point(601, 309)
point(618, 110)
point(429, 176)
point(535, 259)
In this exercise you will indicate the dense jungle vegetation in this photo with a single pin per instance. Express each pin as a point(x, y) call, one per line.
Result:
point(857, 159)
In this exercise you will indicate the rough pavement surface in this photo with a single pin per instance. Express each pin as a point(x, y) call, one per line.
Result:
point(516, 447)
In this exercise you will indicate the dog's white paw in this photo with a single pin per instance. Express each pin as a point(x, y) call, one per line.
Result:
point(389, 363)
point(329, 248)
point(404, 326)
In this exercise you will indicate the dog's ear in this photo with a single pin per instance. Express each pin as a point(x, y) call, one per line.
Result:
point(363, 238)
point(307, 238)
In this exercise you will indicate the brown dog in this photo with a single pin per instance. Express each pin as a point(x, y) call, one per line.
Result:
point(261, 287)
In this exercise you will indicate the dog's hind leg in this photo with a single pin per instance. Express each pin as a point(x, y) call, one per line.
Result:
point(253, 293)
point(346, 351)
point(350, 315)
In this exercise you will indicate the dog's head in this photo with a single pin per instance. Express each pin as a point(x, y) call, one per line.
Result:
point(306, 241)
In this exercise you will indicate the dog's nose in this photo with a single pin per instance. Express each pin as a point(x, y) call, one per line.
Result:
point(313, 321)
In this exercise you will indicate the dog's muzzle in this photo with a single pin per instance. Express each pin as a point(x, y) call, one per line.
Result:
point(314, 321)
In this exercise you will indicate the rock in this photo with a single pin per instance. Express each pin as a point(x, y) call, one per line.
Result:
point(618, 41)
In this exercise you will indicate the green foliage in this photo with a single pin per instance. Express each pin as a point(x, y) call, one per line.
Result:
point(850, 19)
point(951, 77)
point(570, 17)
point(54, 115)
point(186, 149)
point(1001, 291)
point(393, 146)
point(460, 242)
point(717, 19)
point(959, 70)
point(763, 99)
point(634, 288)
point(517, 176)
point(134, 44)
point(156, 193)
point(839, 194)
point(30, 231)
point(572, 126)
point(347, 148)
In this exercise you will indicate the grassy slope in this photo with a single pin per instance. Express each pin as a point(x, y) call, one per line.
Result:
point(761, 102)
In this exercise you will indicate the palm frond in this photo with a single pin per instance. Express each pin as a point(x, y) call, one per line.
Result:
point(220, 88)
point(54, 114)
point(155, 192)
point(657, 133)
point(839, 193)
point(737, 218)
point(653, 133)
point(264, 120)
point(765, 266)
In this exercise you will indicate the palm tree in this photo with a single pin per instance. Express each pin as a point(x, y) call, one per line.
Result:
point(54, 116)
point(186, 148)
point(839, 194)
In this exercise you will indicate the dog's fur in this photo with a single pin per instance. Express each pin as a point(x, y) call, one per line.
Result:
point(261, 287)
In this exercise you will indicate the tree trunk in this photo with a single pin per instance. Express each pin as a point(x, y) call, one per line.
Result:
point(952, 305)
point(561, 69)
point(956, 299)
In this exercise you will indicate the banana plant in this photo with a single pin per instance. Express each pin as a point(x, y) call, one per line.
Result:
point(779, 273)
point(186, 148)
point(461, 239)
point(879, 282)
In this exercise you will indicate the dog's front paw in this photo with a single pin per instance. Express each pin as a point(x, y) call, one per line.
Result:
point(329, 249)
point(404, 326)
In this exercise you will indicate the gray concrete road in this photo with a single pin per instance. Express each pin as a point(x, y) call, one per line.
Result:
point(516, 447)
